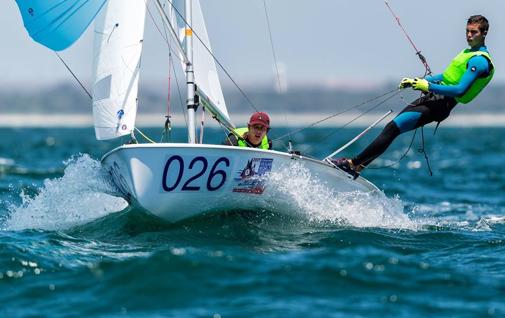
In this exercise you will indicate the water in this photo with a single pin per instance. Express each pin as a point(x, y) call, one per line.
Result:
point(433, 246)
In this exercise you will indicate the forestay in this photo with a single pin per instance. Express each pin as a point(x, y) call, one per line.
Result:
point(205, 71)
point(119, 33)
point(206, 76)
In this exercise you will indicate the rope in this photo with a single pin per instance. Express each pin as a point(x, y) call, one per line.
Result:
point(202, 124)
point(166, 38)
point(145, 136)
point(418, 52)
point(73, 74)
point(423, 151)
point(356, 118)
point(401, 158)
point(272, 44)
point(251, 104)
point(337, 114)
point(168, 124)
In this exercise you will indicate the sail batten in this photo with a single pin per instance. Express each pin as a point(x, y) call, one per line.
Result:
point(119, 32)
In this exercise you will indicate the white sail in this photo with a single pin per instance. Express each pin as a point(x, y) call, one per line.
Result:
point(204, 66)
point(206, 77)
point(119, 33)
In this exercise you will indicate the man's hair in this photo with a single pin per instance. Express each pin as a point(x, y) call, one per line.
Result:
point(481, 20)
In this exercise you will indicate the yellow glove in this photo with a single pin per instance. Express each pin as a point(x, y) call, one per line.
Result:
point(420, 84)
point(406, 82)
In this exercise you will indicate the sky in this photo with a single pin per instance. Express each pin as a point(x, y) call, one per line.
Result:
point(319, 42)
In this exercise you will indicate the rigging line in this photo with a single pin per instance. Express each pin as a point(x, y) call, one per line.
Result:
point(418, 52)
point(275, 62)
point(167, 41)
point(87, 92)
point(165, 37)
point(422, 149)
point(224, 128)
point(337, 114)
point(168, 123)
point(73, 74)
point(181, 103)
point(145, 136)
point(356, 118)
point(77, 79)
point(251, 104)
point(272, 44)
point(400, 159)
point(169, 83)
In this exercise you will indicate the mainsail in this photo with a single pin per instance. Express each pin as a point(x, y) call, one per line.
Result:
point(57, 24)
point(206, 76)
point(119, 33)
point(204, 67)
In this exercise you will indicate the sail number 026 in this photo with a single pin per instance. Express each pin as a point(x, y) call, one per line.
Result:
point(198, 166)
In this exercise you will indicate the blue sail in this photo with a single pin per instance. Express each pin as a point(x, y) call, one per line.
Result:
point(57, 24)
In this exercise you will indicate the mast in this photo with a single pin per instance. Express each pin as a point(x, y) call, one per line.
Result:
point(190, 76)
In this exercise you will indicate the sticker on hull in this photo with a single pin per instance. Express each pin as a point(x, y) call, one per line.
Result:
point(250, 178)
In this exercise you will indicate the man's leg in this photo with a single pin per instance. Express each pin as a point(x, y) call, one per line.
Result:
point(422, 111)
point(413, 116)
point(377, 147)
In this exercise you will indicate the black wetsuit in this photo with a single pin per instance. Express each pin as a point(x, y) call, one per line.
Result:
point(429, 108)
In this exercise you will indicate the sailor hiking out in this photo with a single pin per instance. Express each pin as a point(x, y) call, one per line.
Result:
point(465, 77)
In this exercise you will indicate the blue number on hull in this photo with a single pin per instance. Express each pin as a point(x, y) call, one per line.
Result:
point(214, 172)
point(191, 183)
point(186, 186)
point(165, 173)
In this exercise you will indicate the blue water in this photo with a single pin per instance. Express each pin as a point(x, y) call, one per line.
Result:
point(433, 246)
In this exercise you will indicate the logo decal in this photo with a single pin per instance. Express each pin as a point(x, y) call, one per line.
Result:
point(251, 177)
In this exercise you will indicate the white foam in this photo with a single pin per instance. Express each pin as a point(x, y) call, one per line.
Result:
point(81, 195)
point(6, 162)
point(464, 216)
point(319, 203)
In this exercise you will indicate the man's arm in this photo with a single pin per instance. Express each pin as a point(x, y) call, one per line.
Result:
point(477, 66)
point(435, 78)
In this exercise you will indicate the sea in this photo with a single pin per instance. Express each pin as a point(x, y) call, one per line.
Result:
point(429, 246)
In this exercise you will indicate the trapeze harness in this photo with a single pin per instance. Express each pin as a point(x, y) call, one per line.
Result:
point(235, 141)
point(465, 77)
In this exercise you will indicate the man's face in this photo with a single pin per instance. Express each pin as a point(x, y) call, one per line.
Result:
point(474, 36)
point(256, 133)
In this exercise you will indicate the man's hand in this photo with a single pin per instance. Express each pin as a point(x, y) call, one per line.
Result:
point(406, 82)
point(420, 84)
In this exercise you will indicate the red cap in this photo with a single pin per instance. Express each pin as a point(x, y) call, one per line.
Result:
point(260, 118)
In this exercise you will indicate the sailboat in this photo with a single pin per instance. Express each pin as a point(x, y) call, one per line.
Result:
point(173, 181)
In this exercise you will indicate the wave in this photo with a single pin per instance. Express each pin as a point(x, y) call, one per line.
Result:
point(81, 195)
point(319, 203)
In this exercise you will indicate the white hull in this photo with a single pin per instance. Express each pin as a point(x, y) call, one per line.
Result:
point(179, 181)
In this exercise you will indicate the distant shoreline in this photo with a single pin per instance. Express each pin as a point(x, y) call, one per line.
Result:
point(279, 120)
